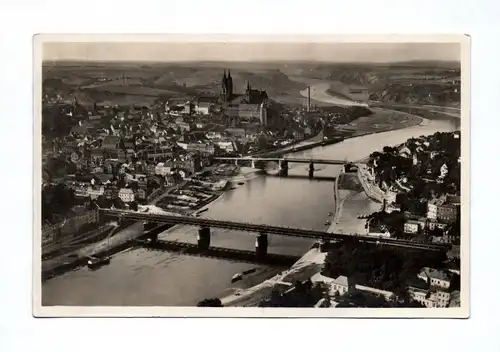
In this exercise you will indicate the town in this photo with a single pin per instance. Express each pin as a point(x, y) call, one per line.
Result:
point(165, 158)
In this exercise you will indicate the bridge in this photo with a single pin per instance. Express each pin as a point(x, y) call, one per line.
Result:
point(237, 255)
point(262, 231)
point(283, 162)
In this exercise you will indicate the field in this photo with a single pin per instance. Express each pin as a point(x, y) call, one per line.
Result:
point(126, 83)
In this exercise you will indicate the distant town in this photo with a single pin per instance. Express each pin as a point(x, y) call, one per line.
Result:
point(178, 155)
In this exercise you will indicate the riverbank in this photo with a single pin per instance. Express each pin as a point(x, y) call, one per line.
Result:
point(351, 200)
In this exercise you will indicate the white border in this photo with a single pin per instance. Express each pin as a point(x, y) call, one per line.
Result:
point(59, 311)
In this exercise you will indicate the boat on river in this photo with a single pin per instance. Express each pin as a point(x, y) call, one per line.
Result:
point(95, 262)
point(236, 277)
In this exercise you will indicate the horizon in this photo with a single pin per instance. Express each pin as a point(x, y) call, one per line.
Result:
point(252, 61)
point(181, 52)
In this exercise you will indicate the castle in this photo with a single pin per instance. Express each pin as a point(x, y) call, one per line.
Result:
point(252, 104)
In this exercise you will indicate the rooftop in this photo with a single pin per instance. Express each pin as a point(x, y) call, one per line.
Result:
point(434, 273)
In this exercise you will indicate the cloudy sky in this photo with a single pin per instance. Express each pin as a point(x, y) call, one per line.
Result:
point(250, 51)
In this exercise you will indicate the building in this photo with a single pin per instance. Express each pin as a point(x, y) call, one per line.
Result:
point(252, 104)
point(111, 193)
point(340, 285)
point(203, 108)
point(141, 194)
point(430, 298)
point(447, 213)
point(111, 142)
point(162, 169)
point(248, 112)
point(95, 192)
point(126, 195)
point(411, 226)
point(439, 209)
point(435, 277)
point(388, 295)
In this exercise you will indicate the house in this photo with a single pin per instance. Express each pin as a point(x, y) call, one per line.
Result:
point(340, 285)
point(141, 194)
point(111, 193)
point(108, 168)
point(435, 277)
point(430, 298)
point(203, 108)
point(162, 169)
point(126, 195)
point(411, 226)
point(95, 192)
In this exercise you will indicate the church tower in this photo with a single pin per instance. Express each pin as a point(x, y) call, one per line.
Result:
point(224, 87)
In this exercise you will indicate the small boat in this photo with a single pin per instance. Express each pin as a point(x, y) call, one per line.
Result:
point(241, 183)
point(95, 262)
point(328, 222)
point(330, 214)
point(236, 277)
point(249, 271)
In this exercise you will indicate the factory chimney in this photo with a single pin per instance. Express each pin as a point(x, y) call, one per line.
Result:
point(308, 98)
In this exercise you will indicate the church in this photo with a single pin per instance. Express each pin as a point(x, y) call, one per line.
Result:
point(252, 104)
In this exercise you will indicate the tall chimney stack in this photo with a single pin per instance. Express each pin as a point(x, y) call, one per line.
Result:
point(308, 98)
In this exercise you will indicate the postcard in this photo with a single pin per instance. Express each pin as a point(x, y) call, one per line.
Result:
point(251, 176)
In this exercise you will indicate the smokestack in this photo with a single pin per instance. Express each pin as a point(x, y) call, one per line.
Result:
point(308, 98)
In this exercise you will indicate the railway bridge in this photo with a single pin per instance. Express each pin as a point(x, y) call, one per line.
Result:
point(262, 231)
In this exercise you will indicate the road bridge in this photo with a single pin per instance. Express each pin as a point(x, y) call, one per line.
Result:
point(222, 253)
point(283, 162)
point(262, 231)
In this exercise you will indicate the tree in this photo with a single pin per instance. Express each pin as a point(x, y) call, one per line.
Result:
point(133, 206)
point(210, 302)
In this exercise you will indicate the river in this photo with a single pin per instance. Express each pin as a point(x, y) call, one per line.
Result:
point(140, 277)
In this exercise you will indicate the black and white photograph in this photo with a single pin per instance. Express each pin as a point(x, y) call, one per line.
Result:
point(277, 176)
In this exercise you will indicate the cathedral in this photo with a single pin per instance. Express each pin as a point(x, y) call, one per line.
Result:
point(250, 105)
point(251, 96)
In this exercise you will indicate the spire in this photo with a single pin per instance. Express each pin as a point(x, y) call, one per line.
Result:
point(224, 77)
point(228, 73)
point(248, 86)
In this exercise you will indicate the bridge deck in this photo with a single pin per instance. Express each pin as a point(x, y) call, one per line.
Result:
point(269, 229)
point(290, 160)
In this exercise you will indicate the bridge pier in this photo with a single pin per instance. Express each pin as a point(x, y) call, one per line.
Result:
point(261, 245)
point(204, 237)
point(311, 170)
point(253, 164)
point(283, 164)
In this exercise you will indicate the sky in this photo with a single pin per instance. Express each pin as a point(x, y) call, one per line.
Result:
point(245, 51)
